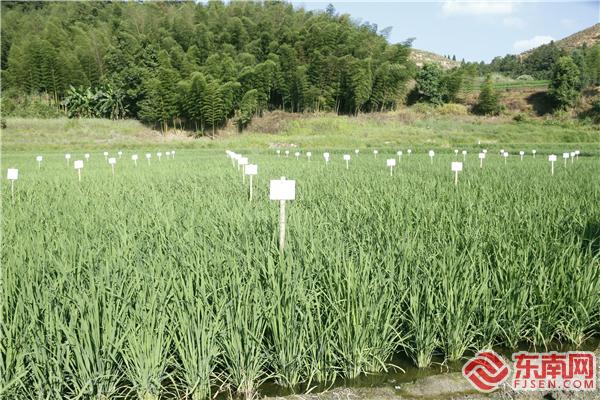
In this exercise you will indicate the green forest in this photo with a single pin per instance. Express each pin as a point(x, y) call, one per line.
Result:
point(196, 66)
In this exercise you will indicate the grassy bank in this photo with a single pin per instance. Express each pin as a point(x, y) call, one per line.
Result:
point(325, 131)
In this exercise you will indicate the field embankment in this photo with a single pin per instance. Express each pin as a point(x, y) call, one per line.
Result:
point(444, 127)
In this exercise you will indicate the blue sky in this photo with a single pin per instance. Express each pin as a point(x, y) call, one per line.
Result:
point(474, 30)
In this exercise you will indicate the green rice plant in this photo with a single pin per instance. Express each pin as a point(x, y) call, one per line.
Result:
point(95, 333)
point(244, 328)
point(197, 323)
point(147, 344)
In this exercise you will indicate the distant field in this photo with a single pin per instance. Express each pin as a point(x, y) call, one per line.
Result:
point(537, 84)
point(326, 131)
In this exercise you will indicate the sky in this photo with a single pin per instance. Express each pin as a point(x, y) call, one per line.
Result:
point(476, 30)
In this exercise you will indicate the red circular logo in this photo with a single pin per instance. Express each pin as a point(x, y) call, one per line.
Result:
point(486, 371)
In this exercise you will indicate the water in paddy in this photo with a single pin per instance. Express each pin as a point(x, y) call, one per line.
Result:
point(404, 371)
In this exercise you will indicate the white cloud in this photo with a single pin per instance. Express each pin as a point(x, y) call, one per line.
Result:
point(514, 22)
point(476, 7)
point(526, 44)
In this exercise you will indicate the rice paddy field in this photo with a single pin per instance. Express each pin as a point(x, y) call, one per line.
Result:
point(165, 281)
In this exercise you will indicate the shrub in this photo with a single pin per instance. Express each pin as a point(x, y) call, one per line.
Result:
point(452, 109)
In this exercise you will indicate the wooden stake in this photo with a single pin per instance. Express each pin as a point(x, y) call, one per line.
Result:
point(281, 225)
point(250, 187)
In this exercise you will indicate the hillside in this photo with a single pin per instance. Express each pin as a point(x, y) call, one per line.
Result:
point(589, 36)
point(420, 57)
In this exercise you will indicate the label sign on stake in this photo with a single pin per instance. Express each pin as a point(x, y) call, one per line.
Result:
point(565, 157)
point(159, 155)
point(456, 167)
point(431, 155)
point(347, 159)
point(391, 162)
point(456, 152)
point(168, 153)
point(552, 158)
point(309, 155)
point(356, 151)
point(282, 190)
point(112, 161)
point(173, 154)
point(399, 153)
point(375, 152)
point(481, 158)
point(119, 153)
point(533, 152)
point(67, 157)
point(12, 174)
point(105, 155)
point(39, 161)
point(326, 157)
point(409, 151)
point(505, 155)
point(278, 152)
point(148, 157)
point(251, 170)
point(134, 158)
point(287, 153)
point(521, 153)
point(464, 153)
point(297, 154)
point(78, 165)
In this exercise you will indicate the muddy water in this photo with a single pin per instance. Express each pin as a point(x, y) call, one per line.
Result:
point(402, 370)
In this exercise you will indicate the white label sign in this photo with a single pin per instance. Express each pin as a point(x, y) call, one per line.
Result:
point(251, 169)
point(565, 155)
point(12, 174)
point(391, 162)
point(431, 153)
point(308, 154)
point(105, 153)
point(243, 160)
point(505, 154)
point(521, 153)
point(356, 151)
point(87, 156)
point(134, 157)
point(375, 152)
point(78, 164)
point(68, 156)
point(399, 152)
point(409, 151)
point(120, 153)
point(282, 189)
point(297, 154)
point(326, 156)
point(346, 157)
point(148, 155)
point(552, 157)
point(482, 155)
point(38, 158)
point(112, 161)
point(457, 166)
point(464, 152)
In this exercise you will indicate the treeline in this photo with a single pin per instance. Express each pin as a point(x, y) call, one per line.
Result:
point(539, 63)
point(197, 65)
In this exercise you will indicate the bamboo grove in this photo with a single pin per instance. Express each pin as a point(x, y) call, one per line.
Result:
point(166, 282)
point(197, 65)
